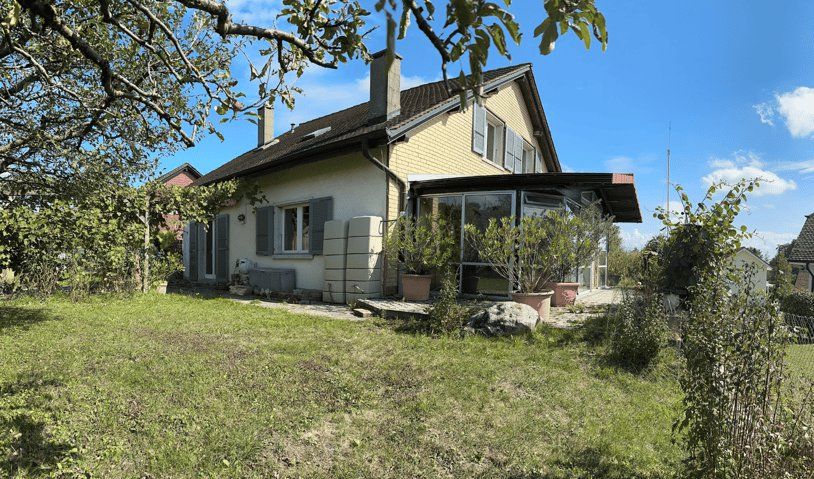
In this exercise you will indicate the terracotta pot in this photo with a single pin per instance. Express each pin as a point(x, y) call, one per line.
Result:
point(416, 286)
point(541, 302)
point(564, 293)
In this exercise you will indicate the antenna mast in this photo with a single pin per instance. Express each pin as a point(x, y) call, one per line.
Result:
point(669, 135)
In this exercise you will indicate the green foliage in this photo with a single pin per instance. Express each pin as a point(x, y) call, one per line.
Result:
point(420, 245)
point(471, 29)
point(542, 248)
point(736, 420)
point(739, 418)
point(523, 254)
point(446, 315)
point(800, 303)
point(80, 82)
point(165, 265)
point(780, 276)
point(638, 330)
point(96, 242)
point(8, 281)
point(624, 267)
point(576, 237)
point(704, 237)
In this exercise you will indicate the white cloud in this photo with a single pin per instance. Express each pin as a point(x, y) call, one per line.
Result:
point(804, 167)
point(766, 113)
point(255, 12)
point(748, 165)
point(797, 109)
point(768, 241)
point(635, 239)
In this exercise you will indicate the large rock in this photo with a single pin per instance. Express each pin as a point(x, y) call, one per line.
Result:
point(502, 319)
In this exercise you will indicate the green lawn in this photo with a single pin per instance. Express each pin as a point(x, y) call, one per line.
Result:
point(184, 387)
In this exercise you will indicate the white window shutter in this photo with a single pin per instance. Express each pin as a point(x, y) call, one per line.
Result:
point(508, 157)
point(518, 153)
point(478, 129)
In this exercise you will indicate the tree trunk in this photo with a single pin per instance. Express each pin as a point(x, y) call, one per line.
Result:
point(145, 285)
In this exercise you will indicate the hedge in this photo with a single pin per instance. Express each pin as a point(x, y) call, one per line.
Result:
point(800, 303)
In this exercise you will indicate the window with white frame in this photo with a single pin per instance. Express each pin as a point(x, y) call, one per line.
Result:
point(528, 158)
point(295, 234)
point(494, 139)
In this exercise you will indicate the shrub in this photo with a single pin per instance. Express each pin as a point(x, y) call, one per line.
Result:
point(800, 303)
point(523, 255)
point(638, 330)
point(420, 245)
point(446, 315)
point(740, 418)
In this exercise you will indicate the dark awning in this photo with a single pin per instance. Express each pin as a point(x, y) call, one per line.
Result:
point(616, 190)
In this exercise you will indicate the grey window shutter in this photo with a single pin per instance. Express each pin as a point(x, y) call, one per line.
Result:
point(518, 153)
point(222, 248)
point(272, 240)
point(320, 210)
point(192, 238)
point(508, 157)
point(538, 162)
point(262, 239)
point(478, 129)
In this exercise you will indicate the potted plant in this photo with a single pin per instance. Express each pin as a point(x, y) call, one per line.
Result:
point(575, 238)
point(420, 246)
point(165, 264)
point(522, 255)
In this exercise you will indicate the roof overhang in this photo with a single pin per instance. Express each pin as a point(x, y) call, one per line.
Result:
point(616, 190)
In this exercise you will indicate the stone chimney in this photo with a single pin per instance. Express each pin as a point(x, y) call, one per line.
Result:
point(265, 124)
point(385, 87)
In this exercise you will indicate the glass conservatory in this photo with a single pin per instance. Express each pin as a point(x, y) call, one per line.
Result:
point(477, 199)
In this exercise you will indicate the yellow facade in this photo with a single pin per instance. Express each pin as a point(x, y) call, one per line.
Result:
point(444, 144)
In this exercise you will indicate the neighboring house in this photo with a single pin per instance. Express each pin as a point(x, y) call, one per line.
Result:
point(746, 259)
point(409, 152)
point(182, 176)
point(801, 256)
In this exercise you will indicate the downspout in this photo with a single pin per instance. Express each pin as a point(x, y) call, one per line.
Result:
point(390, 173)
point(402, 188)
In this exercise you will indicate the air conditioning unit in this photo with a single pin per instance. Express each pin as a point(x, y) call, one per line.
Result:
point(272, 279)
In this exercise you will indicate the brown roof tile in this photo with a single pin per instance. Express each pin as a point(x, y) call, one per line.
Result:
point(803, 250)
point(345, 125)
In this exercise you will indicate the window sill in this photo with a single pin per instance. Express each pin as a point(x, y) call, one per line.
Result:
point(292, 256)
point(494, 165)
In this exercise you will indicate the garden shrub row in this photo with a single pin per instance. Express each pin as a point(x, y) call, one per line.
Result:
point(800, 303)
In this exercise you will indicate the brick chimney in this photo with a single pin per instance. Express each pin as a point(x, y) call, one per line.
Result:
point(265, 124)
point(385, 87)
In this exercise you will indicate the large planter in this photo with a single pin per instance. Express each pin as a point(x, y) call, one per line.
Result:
point(564, 293)
point(161, 288)
point(541, 302)
point(416, 286)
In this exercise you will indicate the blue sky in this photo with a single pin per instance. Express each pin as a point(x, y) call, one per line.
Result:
point(735, 79)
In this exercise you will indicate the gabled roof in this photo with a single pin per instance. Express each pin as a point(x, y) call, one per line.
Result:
point(803, 250)
point(186, 167)
point(750, 253)
point(349, 127)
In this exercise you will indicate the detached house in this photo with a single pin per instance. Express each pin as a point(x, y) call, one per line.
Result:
point(801, 256)
point(334, 183)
